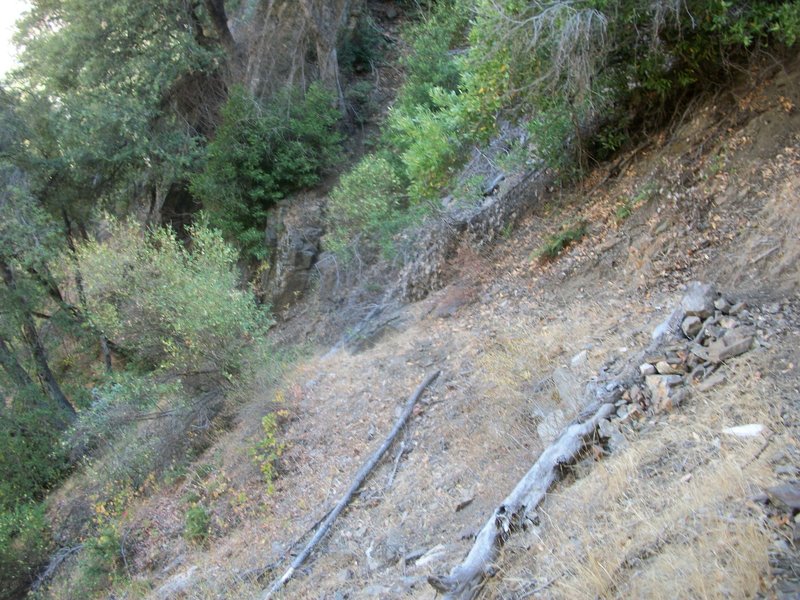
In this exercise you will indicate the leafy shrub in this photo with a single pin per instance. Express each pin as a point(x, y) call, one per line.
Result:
point(361, 206)
point(31, 456)
point(171, 308)
point(24, 546)
point(434, 144)
point(556, 243)
point(268, 450)
point(262, 153)
point(431, 64)
point(102, 558)
point(197, 526)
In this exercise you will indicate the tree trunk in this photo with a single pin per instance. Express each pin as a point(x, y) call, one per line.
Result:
point(465, 581)
point(219, 19)
point(12, 367)
point(46, 377)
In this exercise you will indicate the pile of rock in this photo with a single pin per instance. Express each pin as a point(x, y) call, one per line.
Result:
point(712, 330)
point(687, 350)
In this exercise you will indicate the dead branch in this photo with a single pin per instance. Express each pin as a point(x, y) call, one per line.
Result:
point(56, 560)
point(466, 579)
point(360, 477)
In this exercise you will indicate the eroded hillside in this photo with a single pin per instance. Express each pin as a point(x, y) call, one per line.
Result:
point(671, 506)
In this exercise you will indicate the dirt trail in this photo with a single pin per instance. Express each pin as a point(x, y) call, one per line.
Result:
point(716, 201)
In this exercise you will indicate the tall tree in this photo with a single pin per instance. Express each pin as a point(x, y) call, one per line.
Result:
point(117, 82)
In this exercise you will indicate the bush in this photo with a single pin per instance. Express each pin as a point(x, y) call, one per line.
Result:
point(362, 206)
point(198, 523)
point(31, 456)
point(102, 558)
point(268, 450)
point(556, 243)
point(24, 546)
point(171, 308)
point(261, 154)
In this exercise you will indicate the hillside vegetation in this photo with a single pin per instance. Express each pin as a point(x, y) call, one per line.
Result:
point(201, 198)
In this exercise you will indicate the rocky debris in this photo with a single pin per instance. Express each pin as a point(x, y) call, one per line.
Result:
point(699, 300)
point(691, 326)
point(687, 350)
point(426, 269)
point(732, 342)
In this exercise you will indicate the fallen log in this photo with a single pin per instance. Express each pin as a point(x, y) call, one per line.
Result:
point(360, 477)
point(466, 579)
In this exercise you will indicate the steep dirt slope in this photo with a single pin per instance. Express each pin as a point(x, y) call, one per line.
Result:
point(516, 340)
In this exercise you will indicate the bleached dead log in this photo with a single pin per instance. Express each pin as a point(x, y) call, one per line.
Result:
point(361, 476)
point(466, 579)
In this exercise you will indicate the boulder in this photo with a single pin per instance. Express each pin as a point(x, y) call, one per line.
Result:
point(699, 300)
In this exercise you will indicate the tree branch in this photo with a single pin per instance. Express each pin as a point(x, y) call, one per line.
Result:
point(361, 476)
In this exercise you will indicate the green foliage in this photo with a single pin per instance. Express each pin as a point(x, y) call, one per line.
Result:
point(172, 308)
point(260, 154)
point(103, 93)
point(197, 525)
point(268, 450)
point(431, 65)
point(102, 558)
point(117, 402)
point(31, 456)
point(360, 47)
point(556, 243)
point(362, 205)
point(434, 146)
point(24, 546)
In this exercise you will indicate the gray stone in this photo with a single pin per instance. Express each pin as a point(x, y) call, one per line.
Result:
point(691, 326)
point(551, 425)
point(670, 325)
point(711, 381)
point(721, 304)
point(664, 368)
point(774, 308)
point(787, 495)
point(661, 389)
point(610, 432)
point(699, 300)
point(647, 369)
point(569, 388)
point(733, 343)
point(737, 308)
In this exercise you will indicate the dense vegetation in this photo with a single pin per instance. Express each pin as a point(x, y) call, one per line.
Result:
point(118, 332)
point(582, 78)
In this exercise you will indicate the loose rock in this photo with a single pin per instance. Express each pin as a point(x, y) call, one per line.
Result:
point(691, 326)
point(699, 300)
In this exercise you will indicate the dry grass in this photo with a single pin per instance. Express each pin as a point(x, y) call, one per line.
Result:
point(668, 517)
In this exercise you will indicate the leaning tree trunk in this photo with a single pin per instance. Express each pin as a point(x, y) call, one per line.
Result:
point(465, 580)
point(31, 335)
point(11, 366)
